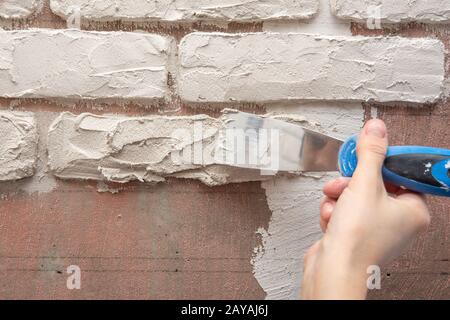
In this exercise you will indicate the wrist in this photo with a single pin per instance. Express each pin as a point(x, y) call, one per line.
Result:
point(341, 274)
point(354, 252)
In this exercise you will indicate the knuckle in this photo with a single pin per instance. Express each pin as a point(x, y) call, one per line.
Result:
point(420, 213)
point(371, 147)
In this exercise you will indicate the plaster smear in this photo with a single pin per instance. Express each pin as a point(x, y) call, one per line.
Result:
point(40, 63)
point(188, 10)
point(388, 11)
point(10, 9)
point(270, 67)
point(324, 23)
point(18, 145)
point(148, 149)
point(294, 202)
point(41, 181)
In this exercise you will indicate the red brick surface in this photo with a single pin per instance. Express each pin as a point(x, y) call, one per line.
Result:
point(172, 241)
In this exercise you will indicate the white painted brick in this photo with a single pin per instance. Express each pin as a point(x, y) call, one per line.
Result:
point(148, 149)
point(266, 67)
point(42, 63)
point(18, 145)
point(393, 11)
point(188, 10)
point(17, 8)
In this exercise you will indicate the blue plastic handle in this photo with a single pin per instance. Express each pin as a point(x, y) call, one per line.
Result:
point(419, 169)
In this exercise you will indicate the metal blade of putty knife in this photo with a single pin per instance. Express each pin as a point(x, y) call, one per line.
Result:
point(256, 142)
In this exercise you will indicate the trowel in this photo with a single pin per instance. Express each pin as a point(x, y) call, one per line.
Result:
point(272, 145)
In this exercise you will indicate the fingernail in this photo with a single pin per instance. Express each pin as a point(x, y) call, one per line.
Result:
point(376, 128)
point(327, 207)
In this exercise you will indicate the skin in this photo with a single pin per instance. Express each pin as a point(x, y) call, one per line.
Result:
point(364, 221)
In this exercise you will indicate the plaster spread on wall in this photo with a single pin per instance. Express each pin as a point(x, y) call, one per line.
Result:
point(293, 227)
point(148, 149)
point(393, 11)
point(324, 23)
point(42, 63)
point(41, 181)
point(18, 145)
point(188, 10)
point(10, 9)
point(270, 67)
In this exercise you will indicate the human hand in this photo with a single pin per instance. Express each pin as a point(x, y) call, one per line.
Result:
point(364, 223)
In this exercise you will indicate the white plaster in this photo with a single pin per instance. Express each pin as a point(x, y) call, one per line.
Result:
point(41, 63)
point(18, 145)
point(188, 10)
point(373, 112)
point(148, 149)
point(393, 11)
point(270, 67)
point(324, 23)
point(10, 9)
point(41, 181)
point(103, 187)
point(293, 228)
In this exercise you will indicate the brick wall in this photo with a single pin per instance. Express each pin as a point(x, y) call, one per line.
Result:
point(136, 71)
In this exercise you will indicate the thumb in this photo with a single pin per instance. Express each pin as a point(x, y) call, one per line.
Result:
point(371, 151)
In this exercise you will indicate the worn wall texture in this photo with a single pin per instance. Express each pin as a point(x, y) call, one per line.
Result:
point(100, 103)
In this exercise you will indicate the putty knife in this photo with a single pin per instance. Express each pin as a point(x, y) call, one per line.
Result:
point(251, 141)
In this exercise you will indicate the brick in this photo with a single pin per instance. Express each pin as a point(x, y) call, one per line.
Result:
point(148, 149)
point(18, 146)
point(188, 10)
point(17, 8)
point(432, 11)
point(42, 63)
point(266, 67)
